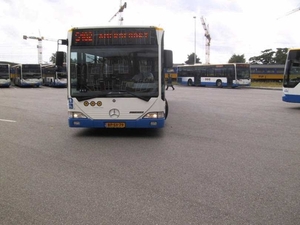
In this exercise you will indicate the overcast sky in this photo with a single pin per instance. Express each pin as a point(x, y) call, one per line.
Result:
point(236, 26)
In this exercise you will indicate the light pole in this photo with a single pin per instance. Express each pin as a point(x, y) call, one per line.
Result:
point(195, 42)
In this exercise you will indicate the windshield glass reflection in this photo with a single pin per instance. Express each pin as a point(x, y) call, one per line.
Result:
point(117, 72)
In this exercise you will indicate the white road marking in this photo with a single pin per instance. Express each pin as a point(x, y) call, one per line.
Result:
point(10, 121)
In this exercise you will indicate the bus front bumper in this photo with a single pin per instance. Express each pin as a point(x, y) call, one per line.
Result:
point(291, 98)
point(141, 123)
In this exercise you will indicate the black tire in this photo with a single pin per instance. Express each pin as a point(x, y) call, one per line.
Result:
point(190, 82)
point(219, 83)
point(166, 109)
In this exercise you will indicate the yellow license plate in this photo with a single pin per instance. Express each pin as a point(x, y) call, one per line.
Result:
point(115, 125)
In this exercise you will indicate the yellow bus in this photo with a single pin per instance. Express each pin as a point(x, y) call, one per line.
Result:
point(267, 72)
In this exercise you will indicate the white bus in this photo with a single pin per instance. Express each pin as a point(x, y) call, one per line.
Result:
point(54, 76)
point(5, 75)
point(26, 75)
point(116, 77)
point(220, 75)
point(291, 77)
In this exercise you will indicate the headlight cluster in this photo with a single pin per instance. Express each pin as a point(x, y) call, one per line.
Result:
point(76, 115)
point(154, 115)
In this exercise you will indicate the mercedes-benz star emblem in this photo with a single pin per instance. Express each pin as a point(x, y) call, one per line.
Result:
point(114, 113)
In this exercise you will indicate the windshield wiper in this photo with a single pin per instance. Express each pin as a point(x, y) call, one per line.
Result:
point(82, 98)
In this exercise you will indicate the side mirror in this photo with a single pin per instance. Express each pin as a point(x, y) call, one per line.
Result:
point(62, 41)
point(168, 59)
point(59, 60)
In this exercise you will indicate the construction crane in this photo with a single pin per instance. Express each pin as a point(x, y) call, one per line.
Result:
point(39, 46)
point(207, 44)
point(290, 12)
point(122, 7)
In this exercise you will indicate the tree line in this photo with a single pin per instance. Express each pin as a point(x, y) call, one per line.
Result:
point(267, 56)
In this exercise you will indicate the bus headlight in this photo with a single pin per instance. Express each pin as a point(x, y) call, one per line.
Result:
point(76, 115)
point(154, 115)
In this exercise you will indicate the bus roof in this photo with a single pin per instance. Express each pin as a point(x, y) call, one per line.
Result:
point(266, 65)
point(294, 49)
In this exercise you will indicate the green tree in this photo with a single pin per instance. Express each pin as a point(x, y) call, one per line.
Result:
point(237, 59)
point(269, 56)
point(265, 58)
point(280, 55)
point(53, 58)
point(191, 59)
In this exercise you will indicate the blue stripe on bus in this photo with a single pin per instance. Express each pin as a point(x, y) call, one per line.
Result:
point(58, 85)
point(30, 85)
point(291, 98)
point(212, 83)
point(141, 123)
point(5, 84)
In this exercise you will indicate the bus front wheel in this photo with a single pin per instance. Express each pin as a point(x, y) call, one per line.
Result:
point(190, 82)
point(219, 83)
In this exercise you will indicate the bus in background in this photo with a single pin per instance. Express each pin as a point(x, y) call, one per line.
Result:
point(5, 75)
point(267, 72)
point(116, 77)
point(219, 75)
point(291, 78)
point(54, 76)
point(172, 72)
point(26, 75)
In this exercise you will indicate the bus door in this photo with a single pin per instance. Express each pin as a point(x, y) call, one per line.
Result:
point(203, 73)
point(229, 73)
point(197, 78)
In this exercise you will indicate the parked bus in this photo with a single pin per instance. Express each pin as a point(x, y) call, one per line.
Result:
point(220, 75)
point(26, 75)
point(116, 77)
point(267, 72)
point(54, 76)
point(5, 75)
point(291, 78)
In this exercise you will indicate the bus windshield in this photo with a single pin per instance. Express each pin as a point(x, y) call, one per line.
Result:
point(31, 71)
point(4, 73)
point(61, 72)
point(114, 72)
point(242, 72)
point(292, 75)
point(61, 75)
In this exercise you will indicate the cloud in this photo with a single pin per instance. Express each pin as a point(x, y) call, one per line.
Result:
point(236, 26)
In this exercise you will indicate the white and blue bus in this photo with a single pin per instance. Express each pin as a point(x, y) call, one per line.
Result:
point(5, 75)
point(116, 77)
point(54, 76)
point(291, 77)
point(219, 75)
point(26, 75)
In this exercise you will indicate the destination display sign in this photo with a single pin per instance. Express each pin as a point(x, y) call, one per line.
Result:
point(114, 36)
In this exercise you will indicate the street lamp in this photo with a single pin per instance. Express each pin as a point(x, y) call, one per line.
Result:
point(195, 42)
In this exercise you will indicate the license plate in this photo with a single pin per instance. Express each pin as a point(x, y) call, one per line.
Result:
point(115, 125)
